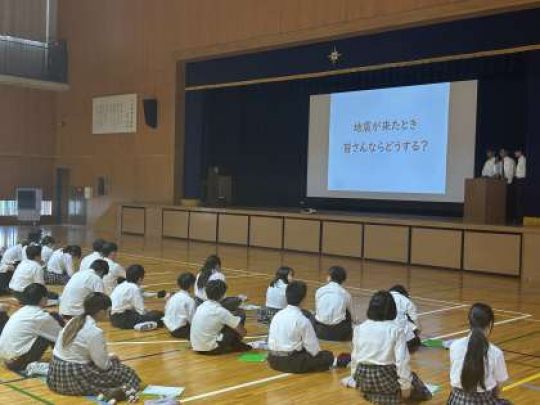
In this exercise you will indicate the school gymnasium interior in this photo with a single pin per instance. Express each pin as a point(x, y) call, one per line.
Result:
point(306, 133)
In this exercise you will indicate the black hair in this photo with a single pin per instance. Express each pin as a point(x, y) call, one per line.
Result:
point(400, 289)
point(101, 267)
point(134, 273)
point(282, 274)
point(481, 317)
point(73, 250)
point(93, 303)
point(296, 292)
point(207, 269)
point(98, 245)
point(33, 251)
point(185, 281)
point(337, 274)
point(382, 307)
point(35, 236)
point(108, 248)
point(47, 240)
point(215, 290)
point(34, 293)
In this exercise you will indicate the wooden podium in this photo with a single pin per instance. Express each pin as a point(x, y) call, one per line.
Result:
point(485, 201)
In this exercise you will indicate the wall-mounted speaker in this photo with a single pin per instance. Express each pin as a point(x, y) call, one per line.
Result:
point(150, 107)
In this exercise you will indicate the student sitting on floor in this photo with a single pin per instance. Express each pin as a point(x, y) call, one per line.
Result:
point(34, 238)
point(333, 308)
point(276, 298)
point(407, 317)
point(180, 308)
point(10, 260)
point(477, 367)
point(29, 331)
point(4, 317)
point(27, 272)
point(47, 248)
point(214, 329)
point(87, 260)
point(128, 303)
point(293, 345)
point(380, 365)
point(60, 267)
point(81, 363)
point(82, 284)
point(116, 273)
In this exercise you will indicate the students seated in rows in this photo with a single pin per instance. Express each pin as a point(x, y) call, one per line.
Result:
point(407, 317)
point(47, 248)
point(29, 331)
point(87, 260)
point(4, 317)
point(333, 308)
point(477, 367)
point(81, 363)
point(34, 238)
point(276, 298)
point(10, 260)
point(109, 251)
point(380, 365)
point(60, 267)
point(180, 308)
point(82, 284)
point(293, 345)
point(127, 309)
point(214, 329)
point(29, 271)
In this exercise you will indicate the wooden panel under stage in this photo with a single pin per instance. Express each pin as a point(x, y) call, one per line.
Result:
point(436, 247)
point(233, 229)
point(266, 232)
point(175, 224)
point(388, 243)
point(492, 252)
point(302, 235)
point(203, 226)
point(133, 220)
point(342, 239)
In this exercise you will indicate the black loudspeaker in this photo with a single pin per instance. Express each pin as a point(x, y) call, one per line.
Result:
point(150, 106)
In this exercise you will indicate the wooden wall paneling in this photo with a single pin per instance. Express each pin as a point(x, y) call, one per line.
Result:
point(266, 232)
point(492, 252)
point(203, 226)
point(436, 247)
point(302, 235)
point(175, 224)
point(342, 239)
point(389, 243)
point(233, 229)
point(133, 220)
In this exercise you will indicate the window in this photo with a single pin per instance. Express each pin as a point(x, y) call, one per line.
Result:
point(8, 208)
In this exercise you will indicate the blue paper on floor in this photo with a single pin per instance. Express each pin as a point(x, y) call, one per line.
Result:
point(163, 391)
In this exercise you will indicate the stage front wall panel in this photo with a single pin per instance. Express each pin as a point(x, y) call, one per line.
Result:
point(389, 243)
point(342, 239)
point(175, 224)
point(436, 247)
point(492, 252)
point(266, 232)
point(302, 235)
point(233, 229)
point(133, 219)
point(203, 226)
point(531, 257)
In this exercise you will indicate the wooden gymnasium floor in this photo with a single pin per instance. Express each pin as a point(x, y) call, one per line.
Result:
point(442, 297)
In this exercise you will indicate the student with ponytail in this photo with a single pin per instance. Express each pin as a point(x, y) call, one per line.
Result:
point(81, 364)
point(276, 298)
point(477, 367)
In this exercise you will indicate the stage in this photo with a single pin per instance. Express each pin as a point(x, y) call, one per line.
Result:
point(424, 241)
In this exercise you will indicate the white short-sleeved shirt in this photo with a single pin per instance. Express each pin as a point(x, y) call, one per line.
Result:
point(521, 167)
point(332, 302)
point(12, 254)
point(60, 263)
point(179, 310)
point(208, 321)
point(291, 331)
point(495, 370)
point(87, 260)
point(405, 309)
point(276, 295)
point(127, 297)
point(23, 328)
point(77, 289)
point(111, 278)
point(200, 292)
point(26, 273)
point(89, 346)
point(46, 253)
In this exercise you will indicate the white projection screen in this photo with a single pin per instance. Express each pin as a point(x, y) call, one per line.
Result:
point(410, 143)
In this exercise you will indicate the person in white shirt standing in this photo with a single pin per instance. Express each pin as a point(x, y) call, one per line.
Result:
point(47, 248)
point(214, 329)
point(82, 284)
point(517, 201)
point(30, 331)
point(128, 309)
point(333, 308)
point(180, 308)
point(407, 317)
point(292, 342)
point(60, 267)
point(276, 298)
point(477, 367)
point(10, 260)
point(87, 260)
point(490, 168)
point(81, 363)
point(117, 273)
point(380, 365)
point(508, 166)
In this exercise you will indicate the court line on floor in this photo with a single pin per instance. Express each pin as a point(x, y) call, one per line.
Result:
point(461, 332)
point(234, 388)
point(435, 311)
point(148, 342)
point(521, 382)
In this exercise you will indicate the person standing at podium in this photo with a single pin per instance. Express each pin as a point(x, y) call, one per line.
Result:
point(519, 182)
point(490, 168)
point(521, 167)
point(508, 166)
